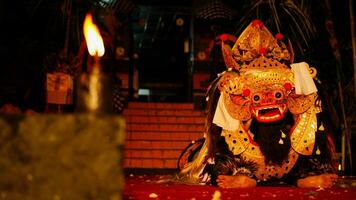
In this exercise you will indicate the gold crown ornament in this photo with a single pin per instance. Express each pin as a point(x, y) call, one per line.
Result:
point(256, 42)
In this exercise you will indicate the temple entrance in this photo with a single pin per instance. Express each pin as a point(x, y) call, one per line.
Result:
point(161, 46)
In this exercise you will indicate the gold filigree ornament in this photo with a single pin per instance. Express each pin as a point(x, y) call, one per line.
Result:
point(241, 143)
point(255, 41)
point(298, 104)
point(303, 135)
point(302, 142)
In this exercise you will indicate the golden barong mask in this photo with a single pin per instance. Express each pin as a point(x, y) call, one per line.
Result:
point(259, 82)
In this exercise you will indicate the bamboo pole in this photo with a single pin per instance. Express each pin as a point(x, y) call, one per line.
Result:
point(353, 39)
point(346, 134)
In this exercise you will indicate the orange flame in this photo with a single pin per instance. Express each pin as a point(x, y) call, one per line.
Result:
point(92, 37)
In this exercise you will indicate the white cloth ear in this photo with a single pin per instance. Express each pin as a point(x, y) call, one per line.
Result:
point(223, 119)
point(303, 82)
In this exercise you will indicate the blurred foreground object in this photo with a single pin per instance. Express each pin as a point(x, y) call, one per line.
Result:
point(61, 157)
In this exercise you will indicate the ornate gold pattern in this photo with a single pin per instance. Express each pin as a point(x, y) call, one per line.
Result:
point(230, 83)
point(255, 41)
point(300, 104)
point(303, 135)
point(263, 63)
point(239, 109)
point(302, 142)
point(267, 171)
point(259, 74)
point(240, 143)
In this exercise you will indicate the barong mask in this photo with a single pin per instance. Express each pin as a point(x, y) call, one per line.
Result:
point(260, 84)
point(260, 87)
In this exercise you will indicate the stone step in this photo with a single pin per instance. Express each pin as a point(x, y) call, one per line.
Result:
point(152, 154)
point(165, 127)
point(157, 133)
point(165, 119)
point(174, 136)
point(150, 163)
point(162, 144)
point(165, 106)
point(161, 112)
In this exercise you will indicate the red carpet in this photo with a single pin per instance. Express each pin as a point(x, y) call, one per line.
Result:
point(145, 187)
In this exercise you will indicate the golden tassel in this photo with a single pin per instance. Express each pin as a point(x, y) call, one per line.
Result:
point(318, 152)
point(280, 141)
point(321, 127)
point(283, 135)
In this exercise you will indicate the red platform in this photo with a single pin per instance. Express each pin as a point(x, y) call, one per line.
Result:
point(141, 187)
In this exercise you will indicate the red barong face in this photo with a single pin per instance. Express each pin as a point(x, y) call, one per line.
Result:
point(261, 93)
point(265, 95)
point(259, 82)
point(269, 105)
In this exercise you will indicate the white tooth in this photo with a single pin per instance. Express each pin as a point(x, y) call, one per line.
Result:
point(257, 113)
point(280, 110)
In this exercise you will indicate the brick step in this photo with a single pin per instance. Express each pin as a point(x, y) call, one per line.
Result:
point(155, 144)
point(149, 112)
point(165, 127)
point(150, 163)
point(158, 153)
point(157, 133)
point(165, 119)
point(174, 136)
point(165, 106)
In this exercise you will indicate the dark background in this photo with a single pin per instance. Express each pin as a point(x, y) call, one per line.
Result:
point(36, 34)
point(34, 30)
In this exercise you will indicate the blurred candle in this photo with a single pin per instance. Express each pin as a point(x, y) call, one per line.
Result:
point(94, 94)
point(96, 49)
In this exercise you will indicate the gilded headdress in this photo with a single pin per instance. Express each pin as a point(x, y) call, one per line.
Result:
point(256, 48)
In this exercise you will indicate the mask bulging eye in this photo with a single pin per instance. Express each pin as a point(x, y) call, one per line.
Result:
point(278, 95)
point(256, 98)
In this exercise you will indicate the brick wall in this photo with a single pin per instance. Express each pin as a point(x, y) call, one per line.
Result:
point(157, 133)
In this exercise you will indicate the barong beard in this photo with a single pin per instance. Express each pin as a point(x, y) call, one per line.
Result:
point(268, 136)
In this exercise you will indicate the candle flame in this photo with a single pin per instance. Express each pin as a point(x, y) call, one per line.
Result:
point(339, 167)
point(92, 37)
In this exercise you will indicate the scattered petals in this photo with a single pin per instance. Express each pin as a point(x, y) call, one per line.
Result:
point(153, 195)
point(244, 195)
point(216, 195)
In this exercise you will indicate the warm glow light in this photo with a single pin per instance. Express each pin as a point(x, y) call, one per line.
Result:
point(92, 37)
point(94, 91)
point(339, 167)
